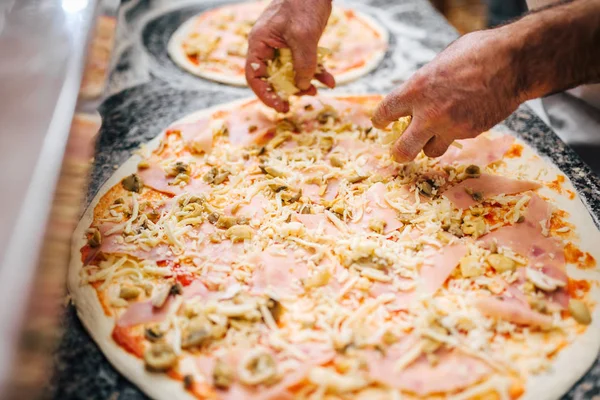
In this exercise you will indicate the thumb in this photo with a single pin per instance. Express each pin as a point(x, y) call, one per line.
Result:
point(395, 105)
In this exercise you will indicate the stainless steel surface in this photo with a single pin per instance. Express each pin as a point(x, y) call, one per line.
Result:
point(43, 45)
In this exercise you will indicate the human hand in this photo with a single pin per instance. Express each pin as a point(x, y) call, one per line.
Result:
point(294, 24)
point(465, 90)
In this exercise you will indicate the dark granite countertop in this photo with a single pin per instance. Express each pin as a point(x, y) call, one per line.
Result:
point(149, 92)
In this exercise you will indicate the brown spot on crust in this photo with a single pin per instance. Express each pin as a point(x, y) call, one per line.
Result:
point(515, 151)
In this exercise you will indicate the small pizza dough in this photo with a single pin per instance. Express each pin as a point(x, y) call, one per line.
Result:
point(358, 43)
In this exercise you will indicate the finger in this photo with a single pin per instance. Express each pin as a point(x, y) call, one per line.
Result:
point(311, 91)
point(394, 106)
point(326, 78)
point(412, 141)
point(256, 73)
point(436, 146)
point(304, 57)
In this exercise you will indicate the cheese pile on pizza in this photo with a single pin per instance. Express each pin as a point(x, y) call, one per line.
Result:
point(214, 44)
point(254, 255)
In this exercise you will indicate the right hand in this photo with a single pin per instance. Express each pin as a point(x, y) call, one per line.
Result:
point(294, 24)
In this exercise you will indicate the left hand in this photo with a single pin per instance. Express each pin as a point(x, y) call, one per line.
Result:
point(294, 24)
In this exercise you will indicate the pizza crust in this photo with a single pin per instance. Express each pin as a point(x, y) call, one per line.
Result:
point(552, 384)
point(174, 48)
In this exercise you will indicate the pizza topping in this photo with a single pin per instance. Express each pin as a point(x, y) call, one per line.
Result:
point(471, 267)
point(156, 178)
point(223, 375)
point(239, 233)
point(198, 135)
point(129, 292)
point(281, 74)
point(153, 333)
point(580, 312)
point(215, 176)
point(543, 281)
point(160, 357)
point(199, 334)
point(397, 130)
point(250, 116)
point(335, 382)
point(133, 183)
point(480, 150)
point(512, 310)
point(501, 263)
point(472, 171)
point(94, 237)
point(474, 190)
point(258, 367)
point(453, 371)
point(440, 266)
point(161, 294)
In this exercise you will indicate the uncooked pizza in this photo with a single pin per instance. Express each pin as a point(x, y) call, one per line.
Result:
point(213, 44)
point(245, 254)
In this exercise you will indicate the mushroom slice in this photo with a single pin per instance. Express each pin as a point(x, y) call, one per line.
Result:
point(258, 366)
point(159, 357)
point(222, 374)
point(542, 281)
point(580, 312)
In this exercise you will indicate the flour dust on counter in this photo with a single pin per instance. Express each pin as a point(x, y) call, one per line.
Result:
point(248, 254)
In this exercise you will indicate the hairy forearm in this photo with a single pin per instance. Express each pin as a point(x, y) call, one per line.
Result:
point(555, 49)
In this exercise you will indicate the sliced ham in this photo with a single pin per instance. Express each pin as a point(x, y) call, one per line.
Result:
point(196, 135)
point(313, 191)
point(114, 244)
point(439, 266)
point(143, 312)
point(377, 208)
point(453, 371)
point(512, 310)
point(527, 239)
point(545, 253)
point(479, 151)
point(401, 301)
point(487, 186)
point(248, 125)
point(316, 352)
point(254, 209)
point(278, 273)
point(195, 289)
point(155, 177)
point(317, 222)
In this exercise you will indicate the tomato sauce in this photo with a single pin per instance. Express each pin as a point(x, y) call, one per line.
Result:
point(132, 344)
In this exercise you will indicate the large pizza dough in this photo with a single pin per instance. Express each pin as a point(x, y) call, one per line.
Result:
point(566, 369)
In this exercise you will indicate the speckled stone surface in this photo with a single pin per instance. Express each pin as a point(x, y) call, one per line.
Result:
point(149, 91)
